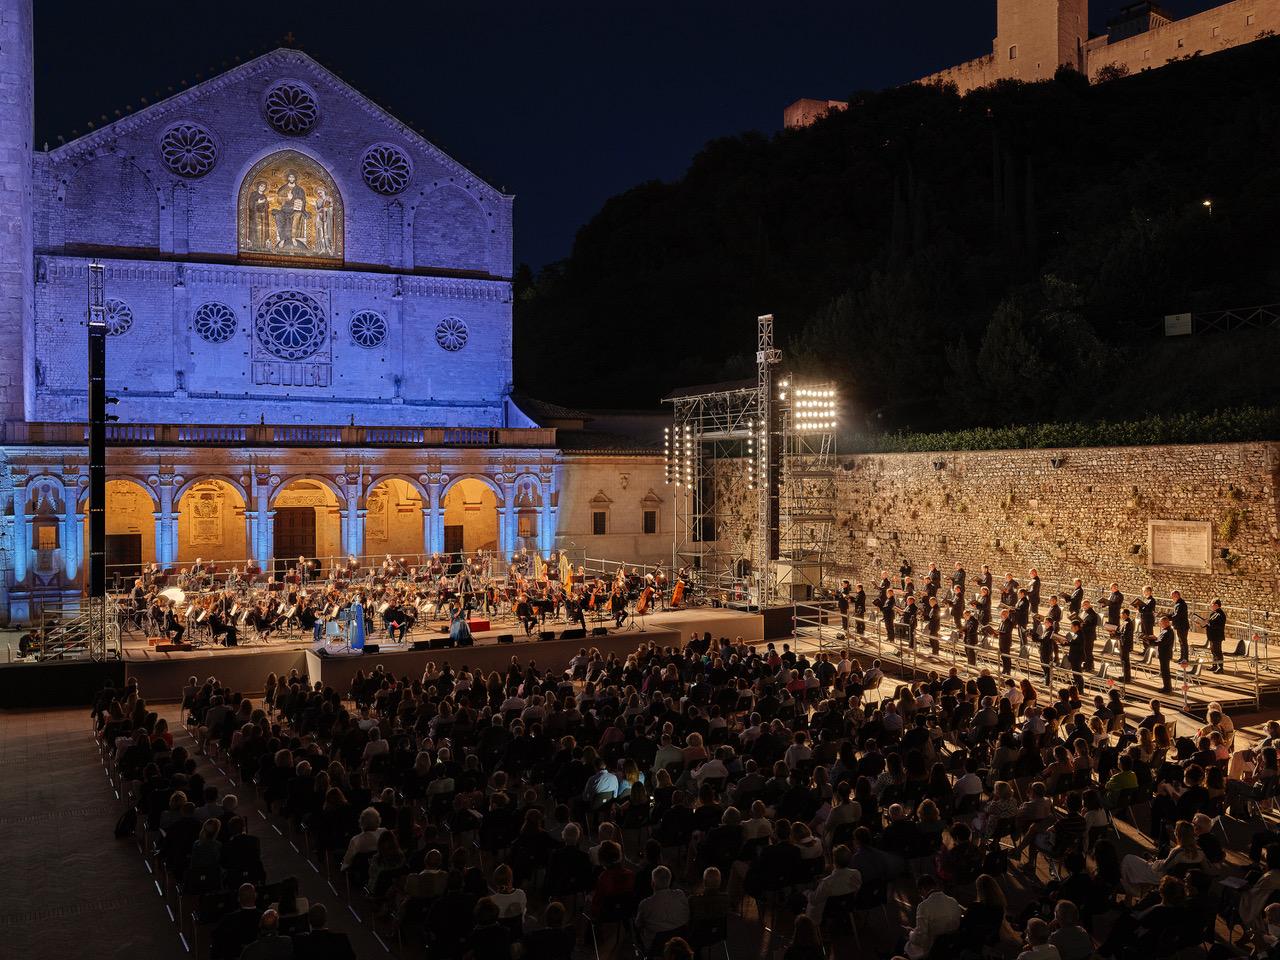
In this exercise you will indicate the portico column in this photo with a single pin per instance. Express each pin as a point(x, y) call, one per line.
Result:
point(21, 534)
point(166, 525)
point(547, 522)
point(70, 540)
point(435, 515)
point(426, 530)
point(508, 527)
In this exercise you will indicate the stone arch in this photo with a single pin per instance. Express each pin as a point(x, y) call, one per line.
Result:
point(324, 481)
point(211, 521)
point(111, 202)
point(469, 506)
point(266, 222)
point(131, 525)
point(307, 520)
point(451, 230)
point(393, 517)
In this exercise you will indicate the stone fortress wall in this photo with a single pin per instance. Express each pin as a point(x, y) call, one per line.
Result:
point(1035, 37)
point(1090, 516)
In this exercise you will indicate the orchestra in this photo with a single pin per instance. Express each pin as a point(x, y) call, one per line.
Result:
point(225, 606)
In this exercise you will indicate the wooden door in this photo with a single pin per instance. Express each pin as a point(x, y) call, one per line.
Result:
point(123, 557)
point(295, 535)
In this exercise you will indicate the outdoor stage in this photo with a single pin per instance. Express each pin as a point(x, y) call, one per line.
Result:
point(162, 675)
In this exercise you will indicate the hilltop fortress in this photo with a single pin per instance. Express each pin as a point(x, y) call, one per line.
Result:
point(1036, 37)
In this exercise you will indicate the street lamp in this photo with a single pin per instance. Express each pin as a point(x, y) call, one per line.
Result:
point(1208, 205)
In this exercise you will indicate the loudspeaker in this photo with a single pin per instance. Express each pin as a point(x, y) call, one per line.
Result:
point(173, 647)
point(371, 648)
point(506, 638)
point(439, 643)
point(577, 633)
point(599, 631)
point(421, 645)
point(547, 635)
point(466, 641)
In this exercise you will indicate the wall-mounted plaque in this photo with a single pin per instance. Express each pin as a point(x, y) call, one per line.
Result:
point(1180, 545)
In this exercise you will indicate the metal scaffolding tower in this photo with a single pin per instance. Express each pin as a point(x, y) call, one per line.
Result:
point(785, 436)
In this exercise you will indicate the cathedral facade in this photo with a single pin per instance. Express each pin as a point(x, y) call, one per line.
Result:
point(308, 309)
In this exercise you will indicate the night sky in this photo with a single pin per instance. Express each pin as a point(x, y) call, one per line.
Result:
point(561, 102)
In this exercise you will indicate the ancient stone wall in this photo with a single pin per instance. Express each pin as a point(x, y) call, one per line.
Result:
point(1088, 516)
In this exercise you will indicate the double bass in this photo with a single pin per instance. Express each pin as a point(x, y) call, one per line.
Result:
point(646, 598)
point(677, 594)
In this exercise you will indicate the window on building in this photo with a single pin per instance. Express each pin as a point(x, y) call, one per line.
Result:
point(1249, 18)
point(598, 522)
point(1180, 42)
point(1216, 31)
point(651, 521)
point(1013, 52)
point(527, 525)
point(1146, 54)
point(45, 534)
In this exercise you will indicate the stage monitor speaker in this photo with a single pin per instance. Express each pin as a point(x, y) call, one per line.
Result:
point(421, 645)
point(173, 647)
point(466, 641)
point(547, 635)
point(506, 638)
point(439, 643)
point(599, 631)
point(371, 648)
point(577, 633)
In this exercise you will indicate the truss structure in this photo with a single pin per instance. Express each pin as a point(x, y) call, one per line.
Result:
point(784, 434)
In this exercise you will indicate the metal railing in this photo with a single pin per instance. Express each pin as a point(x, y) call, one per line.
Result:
point(275, 435)
point(71, 638)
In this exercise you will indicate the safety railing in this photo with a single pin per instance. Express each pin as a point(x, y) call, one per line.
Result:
point(264, 434)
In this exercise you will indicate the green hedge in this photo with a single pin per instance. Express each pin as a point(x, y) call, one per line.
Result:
point(1221, 426)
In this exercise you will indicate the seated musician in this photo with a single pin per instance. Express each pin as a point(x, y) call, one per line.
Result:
point(393, 618)
point(138, 602)
point(618, 606)
point(251, 570)
point(220, 620)
point(293, 577)
point(173, 628)
point(491, 600)
point(524, 611)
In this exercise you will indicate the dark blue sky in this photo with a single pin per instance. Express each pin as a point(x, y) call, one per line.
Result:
point(562, 102)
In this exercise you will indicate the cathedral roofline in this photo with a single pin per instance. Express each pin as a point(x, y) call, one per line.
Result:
point(281, 56)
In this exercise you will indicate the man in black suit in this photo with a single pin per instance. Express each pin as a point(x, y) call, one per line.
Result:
point(859, 606)
point(239, 928)
point(935, 576)
point(957, 605)
point(910, 614)
point(1181, 622)
point(1215, 629)
point(842, 603)
point(887, 611)
point(1089, 621)
point(985, 579)
point(1048, 639)
point(971, 625)
point(1033, 590)
point(1124, 639)
point(1164, 649)
point(1147, 615)
point(1115, 602)
point(1006, 642)
point(1076, 598)
point(1075, 654)
point(321, 944)
point(957, 577)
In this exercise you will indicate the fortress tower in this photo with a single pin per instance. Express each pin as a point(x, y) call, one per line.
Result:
point(17, 106)
point(1035, 37)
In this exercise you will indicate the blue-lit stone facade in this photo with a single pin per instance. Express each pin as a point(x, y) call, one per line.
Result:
point(309, 315)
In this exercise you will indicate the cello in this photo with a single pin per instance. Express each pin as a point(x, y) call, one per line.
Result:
point(646, 598)
point(677, 594)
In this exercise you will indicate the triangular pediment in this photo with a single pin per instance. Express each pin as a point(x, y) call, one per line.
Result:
point(200, 100)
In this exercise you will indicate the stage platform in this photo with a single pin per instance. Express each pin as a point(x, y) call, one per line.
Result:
point(161, 675)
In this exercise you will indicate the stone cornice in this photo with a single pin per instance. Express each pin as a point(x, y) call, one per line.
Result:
point(68, 267)
point(283, 58)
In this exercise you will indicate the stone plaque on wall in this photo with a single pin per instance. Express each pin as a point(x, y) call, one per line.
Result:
point(1180, 545)
point(206, 517)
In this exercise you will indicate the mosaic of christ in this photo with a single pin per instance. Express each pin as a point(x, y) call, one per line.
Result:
point(289, 206)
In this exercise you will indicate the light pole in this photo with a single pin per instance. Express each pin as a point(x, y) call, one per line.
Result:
point(1208, 205)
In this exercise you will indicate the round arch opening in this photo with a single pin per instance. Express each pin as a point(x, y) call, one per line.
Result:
point(470, 517)
point(393, 520)
point(131, 530)
point(307, 523)
point(211, 525)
